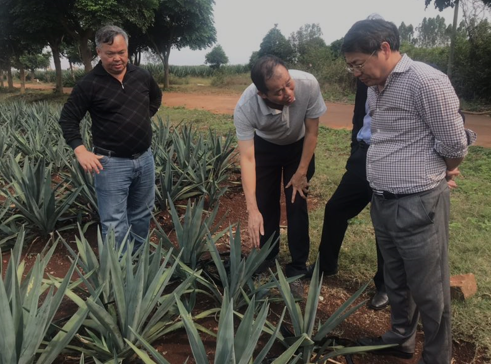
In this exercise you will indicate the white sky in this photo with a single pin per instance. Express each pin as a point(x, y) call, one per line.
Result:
point(242, 24)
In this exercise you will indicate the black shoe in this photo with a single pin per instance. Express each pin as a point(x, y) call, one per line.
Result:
point(396, 351)
point(379, 301)
point(310, 272)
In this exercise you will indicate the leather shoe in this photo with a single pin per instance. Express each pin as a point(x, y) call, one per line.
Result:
point(379, 301)
point(396, 351)
point(310, 272)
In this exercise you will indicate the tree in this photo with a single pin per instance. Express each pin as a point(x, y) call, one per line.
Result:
point(216, 57)
point(38, 22)
point(82, 18)
point(335, 48)
point(406, 32)
point(180, 24)
point(443, 4)
point(35, 61)
point(309, 48)
point(433, 32)
point(274, 43)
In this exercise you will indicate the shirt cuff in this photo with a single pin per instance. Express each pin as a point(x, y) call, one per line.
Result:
point(454, 151)
point(75, 143)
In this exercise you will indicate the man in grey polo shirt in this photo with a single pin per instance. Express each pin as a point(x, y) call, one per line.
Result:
point(277, 121)
point(418, 141)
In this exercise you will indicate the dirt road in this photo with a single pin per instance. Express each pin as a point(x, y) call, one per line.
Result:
point(338, 116)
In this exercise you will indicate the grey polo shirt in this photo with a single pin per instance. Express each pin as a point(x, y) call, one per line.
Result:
point(280, 127)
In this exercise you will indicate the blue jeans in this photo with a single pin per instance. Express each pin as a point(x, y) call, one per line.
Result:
point(126, 195)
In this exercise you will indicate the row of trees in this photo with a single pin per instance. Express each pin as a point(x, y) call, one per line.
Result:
point(68, 26)
point(431, 42)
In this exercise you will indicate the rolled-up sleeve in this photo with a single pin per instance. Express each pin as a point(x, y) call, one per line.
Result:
point(439, 107)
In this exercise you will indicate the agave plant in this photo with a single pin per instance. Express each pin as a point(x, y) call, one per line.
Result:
point(317, 348)
point(192, 233)
point(235, 274)
point(33, 196)
point(126, 298)
point(25, 318)
point(232, 346)
point(85, 182)
point(172, 186)
point(9, 229)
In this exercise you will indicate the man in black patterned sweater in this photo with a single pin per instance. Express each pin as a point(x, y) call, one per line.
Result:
point(120, 98)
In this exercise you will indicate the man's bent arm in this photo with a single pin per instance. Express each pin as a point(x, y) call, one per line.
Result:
point(248, 173)
point(299, 179)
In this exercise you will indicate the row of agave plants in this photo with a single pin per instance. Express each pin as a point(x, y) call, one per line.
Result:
point(125, 303)
point(43, 186)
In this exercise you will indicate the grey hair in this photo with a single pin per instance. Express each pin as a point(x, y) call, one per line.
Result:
point(107, 34)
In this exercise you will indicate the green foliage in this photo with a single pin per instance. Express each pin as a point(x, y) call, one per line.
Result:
point(216, 57)
point(303, 325)
point(433, 32)
point(132, 301)
point(274, 43)
point(406, 33)
point(192, 233)
point(236, 273)
point(31, 192)
point(26, 318)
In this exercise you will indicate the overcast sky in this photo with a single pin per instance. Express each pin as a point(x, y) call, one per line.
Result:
point(242, 24)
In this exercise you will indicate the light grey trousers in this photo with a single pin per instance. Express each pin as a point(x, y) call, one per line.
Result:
point(412, 233)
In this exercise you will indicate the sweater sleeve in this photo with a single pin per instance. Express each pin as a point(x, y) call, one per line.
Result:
point(72, 113)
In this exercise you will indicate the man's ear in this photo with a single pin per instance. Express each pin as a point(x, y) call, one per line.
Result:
point(385, 47)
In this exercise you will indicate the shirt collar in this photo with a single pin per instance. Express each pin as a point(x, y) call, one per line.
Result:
point(265, 109)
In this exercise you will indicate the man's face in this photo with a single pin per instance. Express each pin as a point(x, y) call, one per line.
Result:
point(368, 68)
point(114, 57)
point(280, 88)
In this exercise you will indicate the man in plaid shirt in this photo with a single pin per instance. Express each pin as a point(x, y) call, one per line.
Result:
point(418, 141)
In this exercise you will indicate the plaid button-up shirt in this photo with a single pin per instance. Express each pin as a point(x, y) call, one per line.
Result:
point(415, 125)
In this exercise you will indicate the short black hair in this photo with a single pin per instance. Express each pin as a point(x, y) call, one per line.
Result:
point(107, 34)
point(366, 36)
point(263, 70)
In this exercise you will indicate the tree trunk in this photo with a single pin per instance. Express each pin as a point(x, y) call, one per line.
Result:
point(10, 79)
point(452, 41)
point(166, 67)
point(22, 75)
point(1, 79)
point(59, 78)
point(72, 72)
point(85, 53)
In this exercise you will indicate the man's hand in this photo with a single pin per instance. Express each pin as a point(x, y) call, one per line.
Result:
point(88, 160)
point(256, 227)
point(300, 184)
point(451, 174)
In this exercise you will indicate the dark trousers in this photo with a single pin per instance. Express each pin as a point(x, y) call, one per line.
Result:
point(274, 162)
point(350, 198)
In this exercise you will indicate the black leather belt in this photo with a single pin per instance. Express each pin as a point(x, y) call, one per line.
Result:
point(390, 196)
point(110, 153)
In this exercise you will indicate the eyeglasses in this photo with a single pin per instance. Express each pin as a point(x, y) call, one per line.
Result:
point(359, 67)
